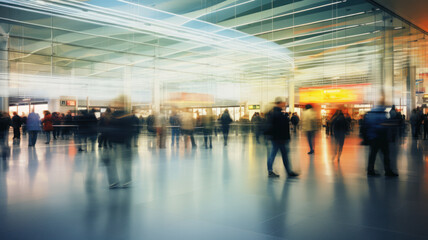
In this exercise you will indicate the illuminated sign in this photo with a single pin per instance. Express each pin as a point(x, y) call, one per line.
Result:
point(68, 102)
point(352, 93)
point(71, 102)
point(253, 107)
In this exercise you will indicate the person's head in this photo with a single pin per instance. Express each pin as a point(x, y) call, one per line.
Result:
point(226, 110)
point(15, 113)
point(308, 106)
point(393, 107)
point(279, 102)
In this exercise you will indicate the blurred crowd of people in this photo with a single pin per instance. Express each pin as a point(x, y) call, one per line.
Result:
point(116, 131)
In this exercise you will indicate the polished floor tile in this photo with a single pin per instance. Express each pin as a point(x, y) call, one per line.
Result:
point(56, 192)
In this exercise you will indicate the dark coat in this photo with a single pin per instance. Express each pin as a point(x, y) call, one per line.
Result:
point(278, 125)
point(16, 121)
point(5, 123)
point(339, 126)
point(120, 128)
point(225, 120)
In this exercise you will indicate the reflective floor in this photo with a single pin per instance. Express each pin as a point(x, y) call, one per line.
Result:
point(56, 192)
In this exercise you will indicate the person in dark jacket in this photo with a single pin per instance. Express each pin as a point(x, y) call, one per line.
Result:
point(425, 126)
point(377, 134)
point(295, 121)
point(67, 120)
point(339, 130)
point(136, 129)
point(56, 120)
point(279, 132)
point(103, 126)
point(16, 124)
point(120, 132)
point(225, 121)
point(5, 124)
point(256, 121)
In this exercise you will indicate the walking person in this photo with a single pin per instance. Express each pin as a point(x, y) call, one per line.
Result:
point(377, 133)
point(208, 127)
point(414, 121)
point(256, 120)
point(16, 124)
point(425, 126)
point(295, 121)
point(47, 125)
point(225, 121)
point(56, 120)
point(136, 129)
point(24, 124)
point(279, 133)
point(33, 128)
point(309, 125)
point(5, 124)
point(174, 121)
point(118, 160)
point(188, 127)
point(339, 130)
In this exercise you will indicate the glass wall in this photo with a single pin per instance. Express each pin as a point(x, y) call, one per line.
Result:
point(236, 51)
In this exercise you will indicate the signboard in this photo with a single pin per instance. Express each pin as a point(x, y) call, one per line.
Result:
point(419, 86)
point(68, 103)
point(253, 107)
point(350, 93)
point(190, 98)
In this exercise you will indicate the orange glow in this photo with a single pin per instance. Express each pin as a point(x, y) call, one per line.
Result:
point(338, 94)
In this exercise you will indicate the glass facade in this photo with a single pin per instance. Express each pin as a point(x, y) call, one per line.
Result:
point(238, 52)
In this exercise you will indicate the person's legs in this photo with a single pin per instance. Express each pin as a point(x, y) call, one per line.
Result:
point(341, 142)
point(48, 136)
point(257, 135)
point(271, 158)
point(309, 135)
point(374, 148)
point(225, 134)
point(172, 136)
point(192, 139)
point(205, 139)
point(284, 153)
point(15, 133)
point(384, 147)
point(425, 131)
point(18, 133)
point(30, 138)
point(110, 162)
point(177, 136)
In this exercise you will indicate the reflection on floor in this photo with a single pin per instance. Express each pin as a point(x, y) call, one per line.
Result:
point(55, 192)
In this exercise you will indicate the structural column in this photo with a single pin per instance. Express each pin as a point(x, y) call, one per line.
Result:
point(411, 89)
point(4, 73)
point(291, 96)
point(127, 84)
point(388, 67)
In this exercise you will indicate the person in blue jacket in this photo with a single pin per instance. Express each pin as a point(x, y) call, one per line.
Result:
point(378, 125)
